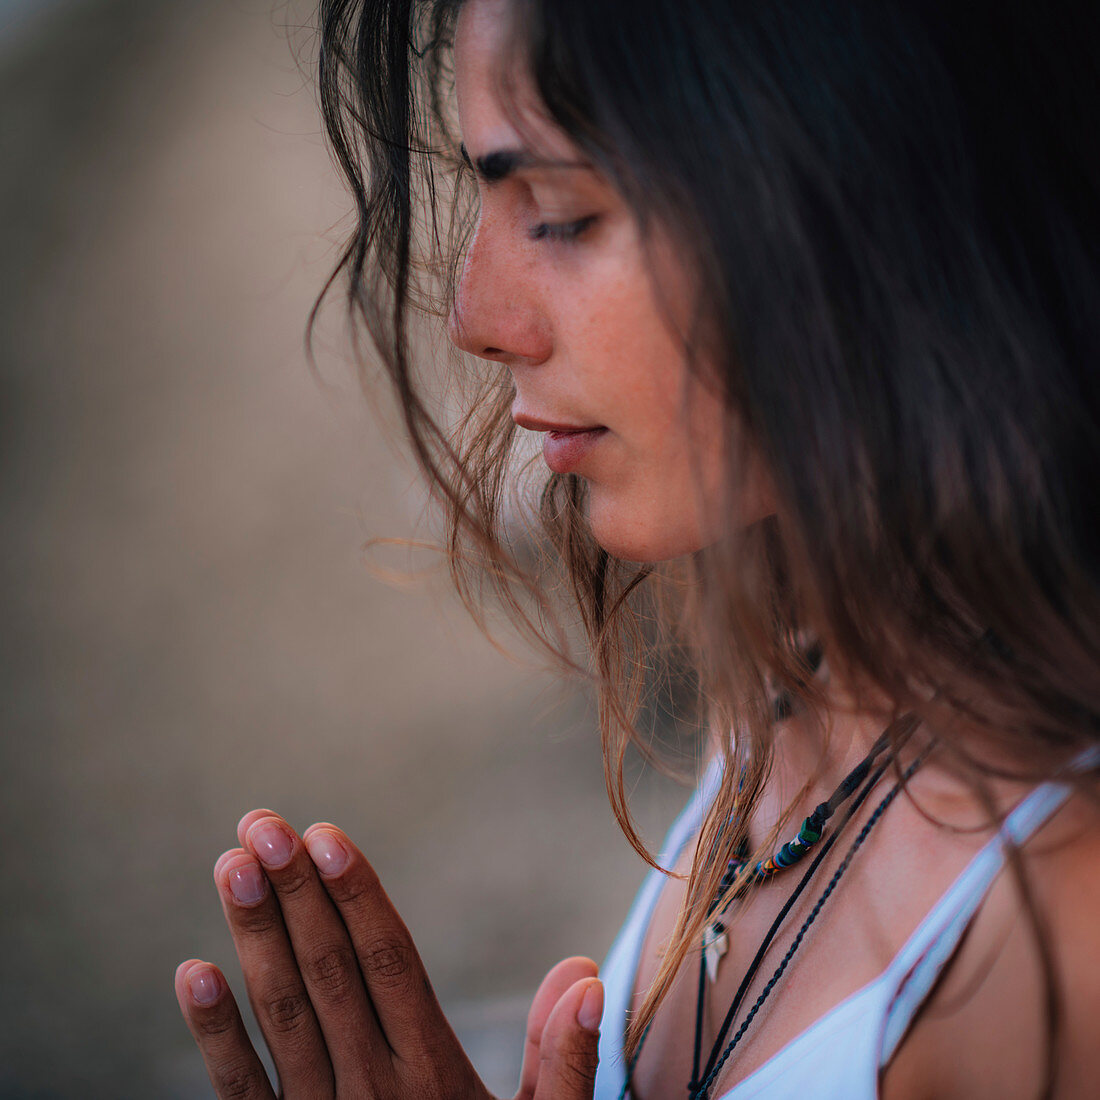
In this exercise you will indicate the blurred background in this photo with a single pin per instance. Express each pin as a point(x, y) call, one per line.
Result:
point(189, 629)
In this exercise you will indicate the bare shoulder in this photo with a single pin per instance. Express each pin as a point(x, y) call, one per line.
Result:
point(1068, 880)
point(984, 1032)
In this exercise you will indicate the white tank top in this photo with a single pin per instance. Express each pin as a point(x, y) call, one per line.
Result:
point(840, 1055)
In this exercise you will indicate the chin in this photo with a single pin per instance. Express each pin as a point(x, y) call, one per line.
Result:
point(631, 534)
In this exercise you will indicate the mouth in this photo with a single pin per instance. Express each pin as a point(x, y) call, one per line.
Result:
point(564, 445)
point(534, 424)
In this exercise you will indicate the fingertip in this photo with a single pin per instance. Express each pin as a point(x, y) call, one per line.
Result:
point(204, 985)
point(198, 982)
point(249, 819)
point(181, 970)
point(554, 988)
point(567, 973)
point(328, 826)
point(581, 1004)
point(223, 859)
point(581, 962)
point(272, 841)
point(327, 849)
point(590, 1012)
point(569, 1046)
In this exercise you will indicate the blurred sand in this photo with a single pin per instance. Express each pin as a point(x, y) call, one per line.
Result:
point(188, 627)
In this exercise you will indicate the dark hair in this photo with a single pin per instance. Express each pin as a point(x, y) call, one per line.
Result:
point(891, 206)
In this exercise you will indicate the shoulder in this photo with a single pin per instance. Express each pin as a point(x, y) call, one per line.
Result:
point(1068, 886)
point(987, 1028)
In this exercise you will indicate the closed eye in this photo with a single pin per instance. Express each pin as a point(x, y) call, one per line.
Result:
point(561, 231)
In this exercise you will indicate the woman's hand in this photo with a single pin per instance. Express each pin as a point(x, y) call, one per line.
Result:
point(341, 995)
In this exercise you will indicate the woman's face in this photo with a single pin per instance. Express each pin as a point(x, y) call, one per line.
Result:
point(558, 287)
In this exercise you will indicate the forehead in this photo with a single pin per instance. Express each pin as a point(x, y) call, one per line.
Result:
point(498, 105)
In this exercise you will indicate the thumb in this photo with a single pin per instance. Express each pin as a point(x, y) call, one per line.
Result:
point(568, 1052)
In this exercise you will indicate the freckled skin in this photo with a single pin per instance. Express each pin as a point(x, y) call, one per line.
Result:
point(341, 997)
point(581, 326)
point(584, 332)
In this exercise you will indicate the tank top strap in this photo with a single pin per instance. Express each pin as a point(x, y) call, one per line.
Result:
point(691, 817)
point(918, 965)
point(620, 968)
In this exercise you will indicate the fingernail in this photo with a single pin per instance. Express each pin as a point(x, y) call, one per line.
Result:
point(204, 984)
point(221, 861)
point(247, 884)
point(327, 852)
point(591, 1011)
point(271, 844)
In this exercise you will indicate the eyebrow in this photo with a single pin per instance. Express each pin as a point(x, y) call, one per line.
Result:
point(502, 163)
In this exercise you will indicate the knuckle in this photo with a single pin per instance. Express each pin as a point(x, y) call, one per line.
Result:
point(354, 888)
point(332, 972)
point(213, 1025)
point(294, 879)
point(261, 922)
point(286, 1010)
point(388, 962)
point(436, 1080)
point(575, 1065)
point(239, 1082)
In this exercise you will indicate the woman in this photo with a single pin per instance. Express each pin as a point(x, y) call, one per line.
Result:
point(801, 297)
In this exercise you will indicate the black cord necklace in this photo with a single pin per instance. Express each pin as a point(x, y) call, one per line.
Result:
point(849, 787)
point(739, 877)
point(717, 1061)
point(739, 880)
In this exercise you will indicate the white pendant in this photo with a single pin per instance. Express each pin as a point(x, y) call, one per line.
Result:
point(715, 944)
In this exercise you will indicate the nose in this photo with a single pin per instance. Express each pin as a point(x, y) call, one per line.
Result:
point(497, 311)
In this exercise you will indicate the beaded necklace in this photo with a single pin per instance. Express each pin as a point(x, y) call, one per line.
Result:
point(739, 877)
point(719, 1055)
point(739, 881)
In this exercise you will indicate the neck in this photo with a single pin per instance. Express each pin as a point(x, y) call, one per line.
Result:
point(813, 755)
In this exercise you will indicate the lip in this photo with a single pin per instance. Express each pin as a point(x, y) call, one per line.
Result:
point(565, 450)
point(564, 445)
point(534, 424)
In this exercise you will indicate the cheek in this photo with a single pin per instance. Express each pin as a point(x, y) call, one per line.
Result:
point(662, 493)
point(680, 475)
point(624, 354)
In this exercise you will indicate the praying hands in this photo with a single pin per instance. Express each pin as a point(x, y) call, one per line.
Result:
point(340, 993)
